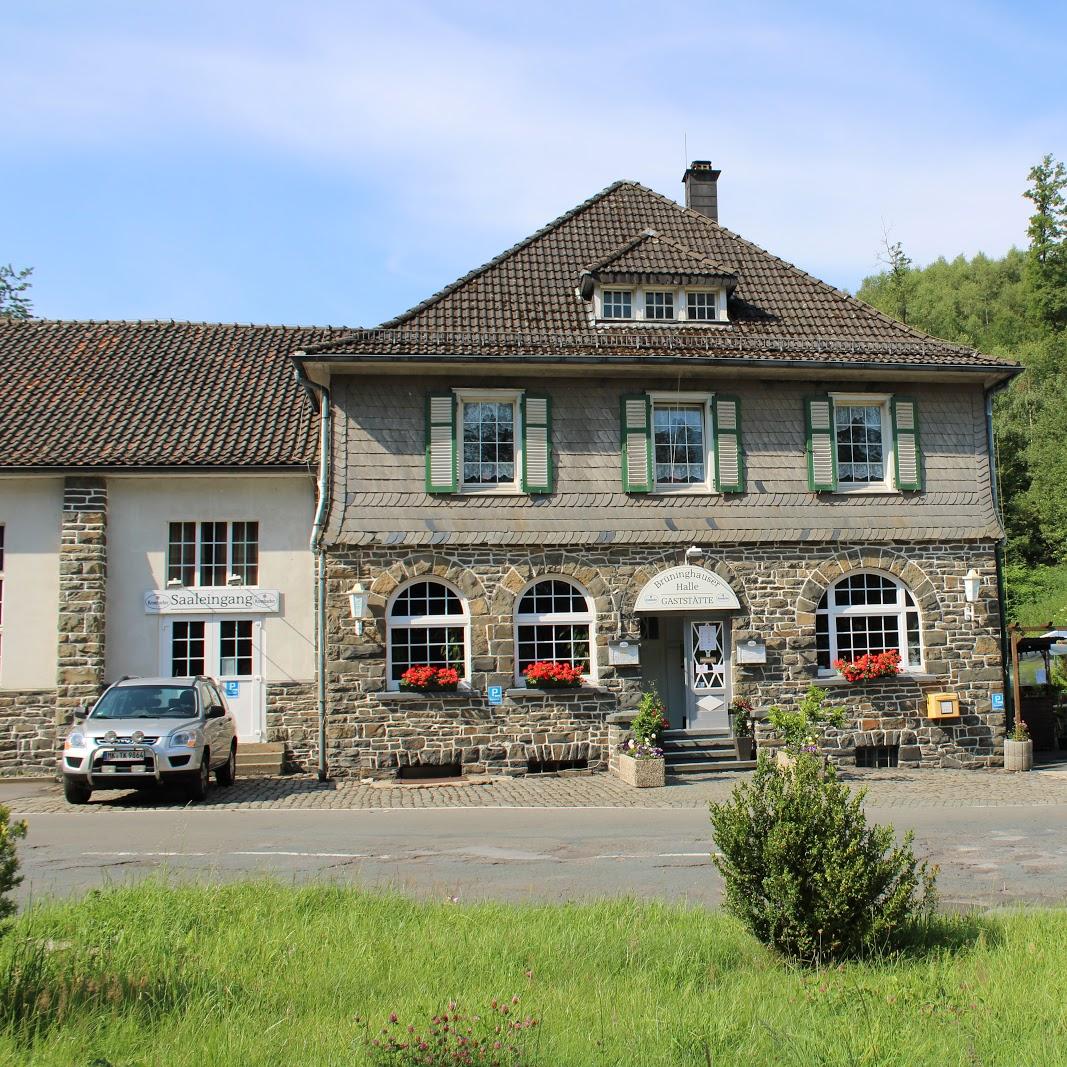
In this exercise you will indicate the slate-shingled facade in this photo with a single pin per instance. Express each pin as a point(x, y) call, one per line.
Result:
point(725, 474)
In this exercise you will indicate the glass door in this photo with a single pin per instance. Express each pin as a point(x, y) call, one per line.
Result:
point(707, 658)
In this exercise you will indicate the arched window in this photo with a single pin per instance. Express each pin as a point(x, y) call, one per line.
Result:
point(865, 613)
point(427, 627)
point(554, 621)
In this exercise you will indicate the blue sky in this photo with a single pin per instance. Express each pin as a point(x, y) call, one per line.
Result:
point(335, 162)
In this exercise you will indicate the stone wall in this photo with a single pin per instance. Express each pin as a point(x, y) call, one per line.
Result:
point(293, 719)
point(28, 731)
point(372, 731)
point(82, 595)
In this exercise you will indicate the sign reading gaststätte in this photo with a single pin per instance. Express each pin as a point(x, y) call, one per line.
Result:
point(686, 589)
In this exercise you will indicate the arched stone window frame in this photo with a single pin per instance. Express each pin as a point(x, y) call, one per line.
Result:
point(461, 621)
point(909, 620)
point(579, 618)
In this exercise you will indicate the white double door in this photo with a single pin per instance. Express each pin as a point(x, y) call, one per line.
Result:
point(707, 674)
point(228, 649)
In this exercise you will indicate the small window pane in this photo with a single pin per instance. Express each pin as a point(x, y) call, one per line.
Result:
point(187, 649)
point(678, 444)
point(213, 553)
point(617, 304)
point(421, 599)
point(860, 450)
point(245, 552)
point(701, 307)
point(426, 646)
point(181, 553)
point(235, 647)
point(488, 442)
point(659, 305)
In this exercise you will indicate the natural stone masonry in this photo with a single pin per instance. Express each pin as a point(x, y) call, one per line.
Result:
point(372, 732)
point(82, 594)
point(27, 731)
point(292, 719)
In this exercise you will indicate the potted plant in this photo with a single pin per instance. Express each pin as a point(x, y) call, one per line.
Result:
point(799, 729)
point(553, 674)
point(430, 679)
point(1019, 749)
point(744, 729)
point(641, 762)
point(867, 668)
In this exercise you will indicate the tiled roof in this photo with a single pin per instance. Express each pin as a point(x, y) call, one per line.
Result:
point(649, 253)
point(142, 394)
point(525, 301)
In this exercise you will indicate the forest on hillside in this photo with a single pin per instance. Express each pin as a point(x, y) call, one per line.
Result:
point(1014, 306)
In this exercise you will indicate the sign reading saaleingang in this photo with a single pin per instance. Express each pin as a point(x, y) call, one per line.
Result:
point(686, 589)
point(212, 599)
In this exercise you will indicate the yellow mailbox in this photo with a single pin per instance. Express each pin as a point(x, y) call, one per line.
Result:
point(942, 706)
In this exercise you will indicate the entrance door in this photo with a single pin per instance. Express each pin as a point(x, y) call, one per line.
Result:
point(707, 660)
point(228, 650)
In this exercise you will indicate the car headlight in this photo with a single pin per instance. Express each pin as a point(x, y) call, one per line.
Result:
point(185, 739)
point(76, 739)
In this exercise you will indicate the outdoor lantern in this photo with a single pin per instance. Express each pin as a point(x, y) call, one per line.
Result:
point(972, 582)
point(357, 602)
point(694, 552)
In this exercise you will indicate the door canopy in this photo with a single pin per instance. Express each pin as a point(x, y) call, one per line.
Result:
point(686, 589)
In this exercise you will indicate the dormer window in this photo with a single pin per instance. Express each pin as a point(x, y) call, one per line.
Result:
point(659, 305)
point(617, 304)
point(701, 306)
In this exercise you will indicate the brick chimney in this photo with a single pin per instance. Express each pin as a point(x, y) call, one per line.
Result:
point(701, 183)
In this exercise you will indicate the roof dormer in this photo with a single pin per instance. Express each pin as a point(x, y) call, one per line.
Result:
point(655, 281)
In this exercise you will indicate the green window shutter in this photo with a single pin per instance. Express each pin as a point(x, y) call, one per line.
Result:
point(822, 444)
point(729, 459)
point(636, 427)
point(906, 450)
point(536, 443)
point(441, 443)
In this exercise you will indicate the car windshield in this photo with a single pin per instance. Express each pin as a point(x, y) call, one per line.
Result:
point(147, 702)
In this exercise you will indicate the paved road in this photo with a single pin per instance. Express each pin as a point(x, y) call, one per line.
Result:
point(989, 855)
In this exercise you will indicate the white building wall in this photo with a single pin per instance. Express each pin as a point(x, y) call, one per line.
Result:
point(30, 512)
point(140, 509)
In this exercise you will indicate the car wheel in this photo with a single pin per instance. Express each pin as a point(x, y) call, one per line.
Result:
point(228, 771)
point(75, 792)
point(199, 785)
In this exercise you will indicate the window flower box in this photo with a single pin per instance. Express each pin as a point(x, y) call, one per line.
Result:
point(867, 668)
point(553, 674)
point(430, 679)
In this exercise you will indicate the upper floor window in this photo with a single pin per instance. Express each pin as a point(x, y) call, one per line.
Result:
point(862, 438)
point(426, 627)
point(213, 553)
point(867, 613)
point(489, 449)
point(701, 306)
point(679, 443)
point(554, 622)
point(617, 304)
point(660, 304)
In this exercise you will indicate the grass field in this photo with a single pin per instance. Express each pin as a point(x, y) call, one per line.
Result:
point(258, 973)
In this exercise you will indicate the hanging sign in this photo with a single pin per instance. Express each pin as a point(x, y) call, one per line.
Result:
point(686, 589)
point(208, 600)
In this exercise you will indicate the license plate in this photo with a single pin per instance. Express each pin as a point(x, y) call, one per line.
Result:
point(125, 755)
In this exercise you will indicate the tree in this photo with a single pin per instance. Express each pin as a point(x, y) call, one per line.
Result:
point(1047, 265)
point(900, 281)
point(14, 303)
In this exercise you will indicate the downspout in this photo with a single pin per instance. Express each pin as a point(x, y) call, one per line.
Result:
point(320, 398)
point(998, 553)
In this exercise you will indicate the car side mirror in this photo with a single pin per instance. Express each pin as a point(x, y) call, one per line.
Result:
point(216, 711)
point(81, 712)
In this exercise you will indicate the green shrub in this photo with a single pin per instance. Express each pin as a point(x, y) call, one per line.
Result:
point(806, 874)
point(650, 720)
point(10, 832)
point(799, 728)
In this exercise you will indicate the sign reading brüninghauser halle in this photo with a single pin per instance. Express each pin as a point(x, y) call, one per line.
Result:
point(686, 589)
point(207, 600)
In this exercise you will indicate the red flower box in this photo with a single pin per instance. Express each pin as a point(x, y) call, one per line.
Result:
point(869, 667)
point(552, 674)
point(430, 679)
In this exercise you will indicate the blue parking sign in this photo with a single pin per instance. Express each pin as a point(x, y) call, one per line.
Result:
point(233, 689)
point(998, 701)
point(496, 694)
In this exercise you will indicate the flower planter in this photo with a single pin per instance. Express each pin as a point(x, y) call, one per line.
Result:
point(1018, 755)
point(745, 748)
point(642, 773)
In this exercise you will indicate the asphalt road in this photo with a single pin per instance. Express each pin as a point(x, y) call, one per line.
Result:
point(989, 856)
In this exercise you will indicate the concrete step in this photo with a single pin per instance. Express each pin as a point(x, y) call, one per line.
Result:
point(706, 755)
point(708, 766)
point(263, 748)
point(258, 770)
point(698, 744)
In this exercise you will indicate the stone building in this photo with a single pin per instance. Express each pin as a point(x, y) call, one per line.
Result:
point(157, 489)
point(637, 442)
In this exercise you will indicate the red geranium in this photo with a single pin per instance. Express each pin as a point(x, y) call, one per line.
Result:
point(870, 666)
point(548, 674)
point(429, 678)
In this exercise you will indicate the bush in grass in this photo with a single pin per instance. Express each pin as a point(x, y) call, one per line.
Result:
point(10, 832)
point(807, 874)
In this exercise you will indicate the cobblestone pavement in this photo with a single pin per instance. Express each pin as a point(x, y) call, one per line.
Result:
point(885, 789)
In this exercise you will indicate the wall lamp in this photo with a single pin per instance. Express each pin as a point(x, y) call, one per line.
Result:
point(972, 584)
point(694, 552)
point(357, 605)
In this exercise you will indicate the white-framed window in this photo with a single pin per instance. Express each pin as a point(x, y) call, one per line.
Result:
point(211, 553)
point(867, 612)
point(490, 435)
point(660, 304)
point(863, 438)
point(554, 621)
point(427, 625)
point(681, 441)
point(617, 304)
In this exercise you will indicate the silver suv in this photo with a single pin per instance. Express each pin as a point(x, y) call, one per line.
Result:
point(146, 732)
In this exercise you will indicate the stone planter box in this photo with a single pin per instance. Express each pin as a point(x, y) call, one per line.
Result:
point(745, 748)
point(1018, 755)
point(642, 773)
